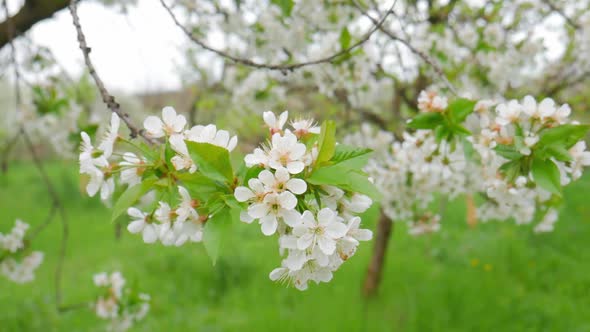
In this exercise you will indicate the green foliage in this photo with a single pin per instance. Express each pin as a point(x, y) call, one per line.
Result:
point(546, 174)
point(131, 196)
point(447, 124)
point(507, 151)
point(565, 135)
point(47, 100)
point(216, 228)
point(285, 5)
point(426, 121)
point(326, 142)
point(212, 161)
point(344, 38)
point(460, 108)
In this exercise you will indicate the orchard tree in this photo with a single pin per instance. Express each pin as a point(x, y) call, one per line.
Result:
point(474, 79)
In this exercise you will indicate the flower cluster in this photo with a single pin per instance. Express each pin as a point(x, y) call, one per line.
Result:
point(172, 221)
point(121, 306)
point(15, 268)
point(515, 155)
point(317, 225)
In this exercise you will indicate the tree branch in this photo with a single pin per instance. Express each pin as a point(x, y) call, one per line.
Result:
point(107, 98)
point(284, 68)
point(437, 69)
point(32, 12)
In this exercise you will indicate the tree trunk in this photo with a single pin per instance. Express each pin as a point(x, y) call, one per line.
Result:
point(375, 270)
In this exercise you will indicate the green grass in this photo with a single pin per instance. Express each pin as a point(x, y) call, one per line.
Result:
point(498, 277)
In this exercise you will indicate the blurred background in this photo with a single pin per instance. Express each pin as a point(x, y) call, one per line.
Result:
point(493, 276)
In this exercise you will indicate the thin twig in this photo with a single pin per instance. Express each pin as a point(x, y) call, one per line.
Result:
point(283, 67)
point(559, 11)
point(55, 198)
point(437, 69)
point(107, 98)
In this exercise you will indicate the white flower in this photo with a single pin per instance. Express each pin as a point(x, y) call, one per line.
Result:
point(132, 169)
point(273, 207)
point(542, 111)
point(322, 232)
point(110, 136)
point(303, 127)
point(172, 124)
point(182, 160)
point(186, 209)
point(255, 192)
point(430, 101)
point(508, 113)
point(257, 158)
point(286, 152)
point(140, 223)
point(281, 181)
point(210, 134)
point(275, 124)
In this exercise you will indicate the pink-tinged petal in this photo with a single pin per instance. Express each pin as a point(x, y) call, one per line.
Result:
point(153, 125)
point(243, 194)
point(268, 225)
point(326, 216)
point(232, 143)
point(291, 217)
point(327, 245)
point(150, 234)
point(295, 167)
point(305, 241)
point(136, 226)
point(296, 186)
point(287, 200)
point(276, 139)
point(259, 210)
point(336, 230)
point(297, 151)
point(267, 178)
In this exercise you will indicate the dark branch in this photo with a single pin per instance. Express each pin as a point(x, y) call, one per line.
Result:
point(32, 12)
point(107, 98)
point(559, 11)
point(280, 67)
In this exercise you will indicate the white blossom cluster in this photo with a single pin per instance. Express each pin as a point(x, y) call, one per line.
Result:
point(411, 173)
point(316, 233)
point(492, 126)
point(171, 225)
point(12, 266)
point(118, 304)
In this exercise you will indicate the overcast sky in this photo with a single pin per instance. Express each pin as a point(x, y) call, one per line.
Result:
point(137, 52)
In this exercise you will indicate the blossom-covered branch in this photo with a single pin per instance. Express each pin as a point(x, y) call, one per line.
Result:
point(280, 67)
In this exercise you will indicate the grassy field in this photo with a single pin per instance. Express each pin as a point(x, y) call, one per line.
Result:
point(498, 277)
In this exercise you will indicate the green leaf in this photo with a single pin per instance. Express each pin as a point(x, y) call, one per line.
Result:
point(131, 196)
point(326, 142)
point(345, 178)
point(426, 121)
point(546, 175)
point(212, 161)
point(215, 231)
point(460, 108)
point(507, 151)
point(285, 5)
point(558, 152)
point(345, 152)
point(344, 38)
point(200, 186)
point(511, 170)
point(441, 133)
point(565, 135)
